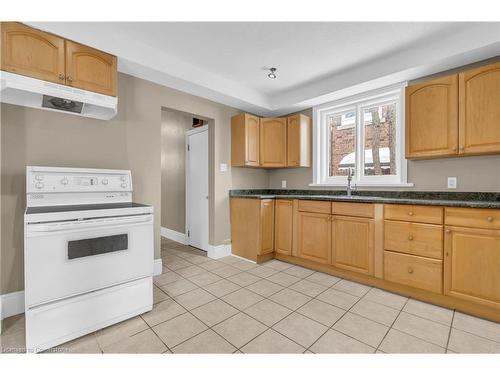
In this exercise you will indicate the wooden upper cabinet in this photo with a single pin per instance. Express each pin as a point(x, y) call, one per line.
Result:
point(298, 141)
point(31, 52)
point(432, 118)
point(283, 226)
point(314, 237)
point(480, 110)
point(273, 142)
point(353, 244)
point(90, 69)
point(245, 130)
point(472, 265)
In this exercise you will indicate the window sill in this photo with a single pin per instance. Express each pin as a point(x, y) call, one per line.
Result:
point(407, 184)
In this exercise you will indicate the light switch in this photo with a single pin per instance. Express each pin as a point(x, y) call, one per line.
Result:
point(223, 167)
point(452, 182)
point(283, 184)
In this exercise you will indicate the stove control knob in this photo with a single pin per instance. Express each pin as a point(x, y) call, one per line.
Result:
point(104, 181)
point(64, 181)
point(124, 185)
point(39, 185)
point(123, 178)
point(39, 177)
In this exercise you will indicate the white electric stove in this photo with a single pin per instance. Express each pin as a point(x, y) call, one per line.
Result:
point(88, 253)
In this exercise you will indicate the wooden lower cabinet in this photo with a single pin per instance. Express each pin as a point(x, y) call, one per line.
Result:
point(414, 271)
point(472, 265)
point(252, 227)
point(456, 265)
point(314, 237)
point(283, 226)
point(414, 238)
point(353, 244)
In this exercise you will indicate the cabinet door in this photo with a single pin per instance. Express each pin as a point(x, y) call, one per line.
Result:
point(480, 110)
point(432, 118)
point(273, 142)
point(245, 227)
point(314, 237)
point(283, 226)
point(90, 69)
point(32, 52)
point(252, 125)
point(298, 141)
point(266, 226)
point(472, 265)
point(353, 244)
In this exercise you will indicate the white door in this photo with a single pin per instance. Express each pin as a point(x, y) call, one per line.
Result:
point(197, 188)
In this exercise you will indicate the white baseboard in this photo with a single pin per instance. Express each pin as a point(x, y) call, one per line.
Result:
point(221, 251)
point(12, 304)
point(157, 267)
point(245, 259)
point(174, 235)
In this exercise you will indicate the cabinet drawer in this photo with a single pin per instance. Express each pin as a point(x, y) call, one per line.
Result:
point(473, 217)
point(321, 207)
point(417, 214)
point(352, 209)
point(414, 238)
point(414, 271)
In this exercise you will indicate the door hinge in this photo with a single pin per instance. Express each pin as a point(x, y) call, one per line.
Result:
point(188, 233)
point(188, 147)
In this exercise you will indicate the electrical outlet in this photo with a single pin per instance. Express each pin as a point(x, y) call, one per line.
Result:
point(223, 167)
point(283, 184)
point(452, 182)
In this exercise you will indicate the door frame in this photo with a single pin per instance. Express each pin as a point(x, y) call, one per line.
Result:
point(190, 132)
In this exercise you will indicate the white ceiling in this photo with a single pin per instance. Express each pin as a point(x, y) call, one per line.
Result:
point(316, 62)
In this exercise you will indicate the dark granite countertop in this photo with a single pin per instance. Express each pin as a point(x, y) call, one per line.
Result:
point(429, 198)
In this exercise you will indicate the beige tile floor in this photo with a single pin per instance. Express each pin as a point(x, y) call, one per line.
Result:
point(231, 306)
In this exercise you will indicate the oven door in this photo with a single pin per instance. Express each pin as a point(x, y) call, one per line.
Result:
point(64, 259)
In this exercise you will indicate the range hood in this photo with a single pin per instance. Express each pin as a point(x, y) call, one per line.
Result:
point(31, 92)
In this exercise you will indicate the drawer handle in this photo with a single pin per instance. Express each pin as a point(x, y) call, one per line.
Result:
point(410, 213)
point(410, 270)
point(410, 238)
point(489, 218)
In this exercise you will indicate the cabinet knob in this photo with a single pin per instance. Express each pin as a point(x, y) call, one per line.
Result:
point(410, 270)
point(448, 230)
point(410, 238)
point(61, 77)
point(462, 148)
point(69, 79)
point(410, 213)
point(489, 218)
point(454, 149)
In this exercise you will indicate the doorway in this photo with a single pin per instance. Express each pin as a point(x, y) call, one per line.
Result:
point(197, 224)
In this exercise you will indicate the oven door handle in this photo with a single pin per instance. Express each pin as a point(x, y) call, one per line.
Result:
point(91, 223)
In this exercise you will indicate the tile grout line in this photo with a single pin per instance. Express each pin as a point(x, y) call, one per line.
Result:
point(449, 333)
point(394, 321)
point(311, 298)
point(345, 312)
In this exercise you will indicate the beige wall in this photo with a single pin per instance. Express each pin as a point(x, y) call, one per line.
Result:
point(475, 173)
point(132, 140)
point(174, 125)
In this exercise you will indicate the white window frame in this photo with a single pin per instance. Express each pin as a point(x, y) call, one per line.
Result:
point(321, 138)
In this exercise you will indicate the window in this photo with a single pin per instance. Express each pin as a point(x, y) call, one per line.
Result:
point(363, 134)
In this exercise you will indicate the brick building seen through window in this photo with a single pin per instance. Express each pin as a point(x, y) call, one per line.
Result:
point(379, 133)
